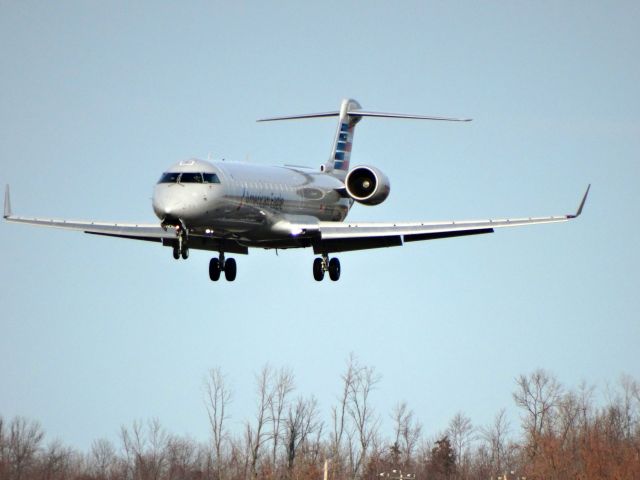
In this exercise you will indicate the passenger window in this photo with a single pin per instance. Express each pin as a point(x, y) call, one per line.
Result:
point(210, 178)
point(169, 177)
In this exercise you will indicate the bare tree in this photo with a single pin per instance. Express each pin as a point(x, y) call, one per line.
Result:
point(340, 419)
point(539, 395)
point(585, 399)
point(364, 419)
point(407, 432)
point(460, 433)
point(255, 436)
point(284, 385)
point(132, 447)
point(495, 437)
point(300, 423)
point(23, 443)
point(4, 456)
point(145, 451)
point(102, 459)
point(564, 435)
point(217, 400)
point(57, 461)
point(629, 403)
point(183, 457)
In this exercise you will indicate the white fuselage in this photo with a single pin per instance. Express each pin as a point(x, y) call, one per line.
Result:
point(246, 200)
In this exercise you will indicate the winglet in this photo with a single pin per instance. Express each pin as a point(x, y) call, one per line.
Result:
point(7, 203)
point(584, 199)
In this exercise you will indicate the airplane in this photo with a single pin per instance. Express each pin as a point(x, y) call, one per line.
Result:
point(229, 207)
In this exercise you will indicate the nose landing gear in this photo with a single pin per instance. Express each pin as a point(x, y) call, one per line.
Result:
point(321, 265)
point(181, 249)
point(228, 266)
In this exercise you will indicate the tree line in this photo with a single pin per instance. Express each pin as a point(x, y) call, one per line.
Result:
point(563, 433)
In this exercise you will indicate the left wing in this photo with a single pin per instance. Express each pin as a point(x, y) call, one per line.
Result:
point(341, 237)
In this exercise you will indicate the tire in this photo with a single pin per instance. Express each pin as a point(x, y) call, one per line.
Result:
point(230, 269)
point(176, 253)
point(214, 269)
point(318, 272)
point(334, 269)
point(185, 253)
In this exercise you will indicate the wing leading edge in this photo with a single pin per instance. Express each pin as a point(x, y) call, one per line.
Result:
point(325, 237)
point(340, 237)
point(141, 231)
point(134, 231)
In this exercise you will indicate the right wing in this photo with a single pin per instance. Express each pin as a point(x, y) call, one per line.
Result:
point(151, 232)
point(139, 231)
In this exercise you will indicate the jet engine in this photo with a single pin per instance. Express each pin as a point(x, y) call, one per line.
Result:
point(367, 185)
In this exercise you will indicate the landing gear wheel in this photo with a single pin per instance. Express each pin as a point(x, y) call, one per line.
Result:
point(185, 253)
point(334, 269)
point(230, 269)
point(176, 252)
point(318, 269)
point(214, 269)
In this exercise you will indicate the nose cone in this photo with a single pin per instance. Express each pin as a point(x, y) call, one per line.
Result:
point(162, 210)
point(180, 203)
point(166, 205)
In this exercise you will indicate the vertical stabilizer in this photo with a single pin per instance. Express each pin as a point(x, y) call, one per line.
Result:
point(343, 141)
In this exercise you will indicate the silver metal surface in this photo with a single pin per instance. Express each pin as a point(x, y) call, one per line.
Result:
point(247, 205)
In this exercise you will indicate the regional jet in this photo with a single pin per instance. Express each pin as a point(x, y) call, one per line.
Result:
point(228, 207)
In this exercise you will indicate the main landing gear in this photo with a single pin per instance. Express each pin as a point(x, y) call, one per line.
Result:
point(228, 266)
point(321, 265)
point(216, 265)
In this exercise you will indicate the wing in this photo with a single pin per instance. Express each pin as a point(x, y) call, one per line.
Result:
point(325, 237)
point(341, 237)
point(151, 232)
point(140, 231)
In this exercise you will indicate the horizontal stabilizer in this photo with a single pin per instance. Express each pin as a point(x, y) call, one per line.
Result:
point(304, 115)
point(361, 113)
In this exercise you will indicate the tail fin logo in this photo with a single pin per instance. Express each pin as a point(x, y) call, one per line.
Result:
point(343, 142)
point(343, 146)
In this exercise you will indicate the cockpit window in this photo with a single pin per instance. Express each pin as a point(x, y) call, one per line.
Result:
point(210, 178)
point(169, 177)
point(188, 177)
point(191, 178)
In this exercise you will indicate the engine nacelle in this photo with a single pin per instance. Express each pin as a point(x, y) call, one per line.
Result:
point(367, 185)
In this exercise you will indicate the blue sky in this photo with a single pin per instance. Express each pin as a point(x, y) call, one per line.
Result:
point(98, 98)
